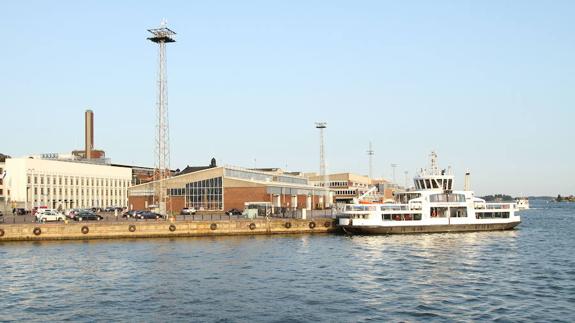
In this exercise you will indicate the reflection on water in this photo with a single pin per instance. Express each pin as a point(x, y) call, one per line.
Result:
point(525, 274)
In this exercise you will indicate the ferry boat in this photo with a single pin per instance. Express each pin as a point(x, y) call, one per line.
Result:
point(432, 206)
point(522, 203)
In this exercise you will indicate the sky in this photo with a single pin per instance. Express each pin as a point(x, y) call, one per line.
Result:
point(488, 85)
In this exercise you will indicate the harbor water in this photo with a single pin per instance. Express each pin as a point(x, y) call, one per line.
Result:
point(527, 274)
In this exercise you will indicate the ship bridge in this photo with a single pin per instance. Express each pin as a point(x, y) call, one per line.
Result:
point(434, 178)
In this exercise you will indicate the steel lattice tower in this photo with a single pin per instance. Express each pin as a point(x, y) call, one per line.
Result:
point(161, 36)
point(370, 153)
point(322, 167)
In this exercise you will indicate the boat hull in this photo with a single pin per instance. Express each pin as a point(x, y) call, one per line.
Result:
point(356, 229)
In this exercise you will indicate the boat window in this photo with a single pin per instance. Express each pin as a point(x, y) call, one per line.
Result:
point(393, 207)
point(434, 182)
point(447, 198)
point(458, 212)
point(438, 212)
point(449, 184)
point(427, 184)
point(402, 217)
point(492, 215)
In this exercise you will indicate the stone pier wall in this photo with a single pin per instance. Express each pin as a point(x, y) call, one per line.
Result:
point(155, 229)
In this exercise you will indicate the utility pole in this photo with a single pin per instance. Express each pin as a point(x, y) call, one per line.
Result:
point(370, 153)
point(161, 36)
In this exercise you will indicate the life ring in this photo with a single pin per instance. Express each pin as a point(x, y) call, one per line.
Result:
point(1, 232)
point(287, 225)
point(213, 226)
point(131, 228)
point(252, 226)
point(37, 231)
point(172, 228)
point(327, 224)
point(85, 229)
point(312, 225)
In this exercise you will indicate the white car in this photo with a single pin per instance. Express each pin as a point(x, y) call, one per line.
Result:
point(188, 211)
point(50, 215)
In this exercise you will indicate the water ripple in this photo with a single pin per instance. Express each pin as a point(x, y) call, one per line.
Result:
point(521, 275)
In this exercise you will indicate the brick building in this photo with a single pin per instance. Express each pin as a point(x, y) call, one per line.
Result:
point(220, 188)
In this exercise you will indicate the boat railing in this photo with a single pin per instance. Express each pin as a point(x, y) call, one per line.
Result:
point(394, 207)
point(360, 207)
point(367, 207)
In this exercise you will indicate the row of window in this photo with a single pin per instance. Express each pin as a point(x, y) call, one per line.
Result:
point(492, 215)
point(433, 183)
point(401, 217)
point(447, 198)
point(345, 192)
point(71, 191)
point(78, 181)
point(81, 203)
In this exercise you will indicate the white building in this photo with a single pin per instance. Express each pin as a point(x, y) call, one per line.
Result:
point(64, 184)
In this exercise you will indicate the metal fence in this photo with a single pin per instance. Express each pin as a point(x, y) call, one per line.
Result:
point(111, 217)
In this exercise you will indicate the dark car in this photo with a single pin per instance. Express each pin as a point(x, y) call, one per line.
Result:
point(149, 215)
point(131, 214)
point(87, 216)
point(21, 211)
point(234, 212)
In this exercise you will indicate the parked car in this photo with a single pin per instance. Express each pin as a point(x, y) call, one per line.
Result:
point(131, 214)
point(188, 211)
point(21, 211)
point(41, 211)
point(87, 216)
point(146, 215)
point(50, 215)
point(234, 212)
point(37, 209)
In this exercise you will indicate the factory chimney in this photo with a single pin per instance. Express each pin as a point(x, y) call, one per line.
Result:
point(89, 135)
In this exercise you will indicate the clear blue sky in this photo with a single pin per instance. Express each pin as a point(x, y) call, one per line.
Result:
point(490, 85)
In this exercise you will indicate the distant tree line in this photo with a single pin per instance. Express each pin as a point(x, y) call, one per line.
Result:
point(498, 198)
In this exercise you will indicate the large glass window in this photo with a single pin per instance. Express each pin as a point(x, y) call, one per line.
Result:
point(205, 195)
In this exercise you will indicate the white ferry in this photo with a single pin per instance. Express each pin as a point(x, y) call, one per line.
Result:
point(433, 206)
point(522, 203)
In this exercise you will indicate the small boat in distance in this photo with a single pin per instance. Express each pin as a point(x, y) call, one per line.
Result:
point(433, 206)
point(522, 203)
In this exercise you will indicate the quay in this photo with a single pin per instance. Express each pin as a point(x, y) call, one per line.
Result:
point(160, 229)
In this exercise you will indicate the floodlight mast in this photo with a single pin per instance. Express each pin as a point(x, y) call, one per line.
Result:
point(322, 165)
point(161, 36)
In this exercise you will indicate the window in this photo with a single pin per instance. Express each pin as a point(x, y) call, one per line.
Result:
point(458, 212)
point(492, 215)
point(205, 194)
point(402, 217)
point(443, 198)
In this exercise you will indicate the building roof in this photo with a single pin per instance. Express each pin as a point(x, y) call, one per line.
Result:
point(192, 169)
